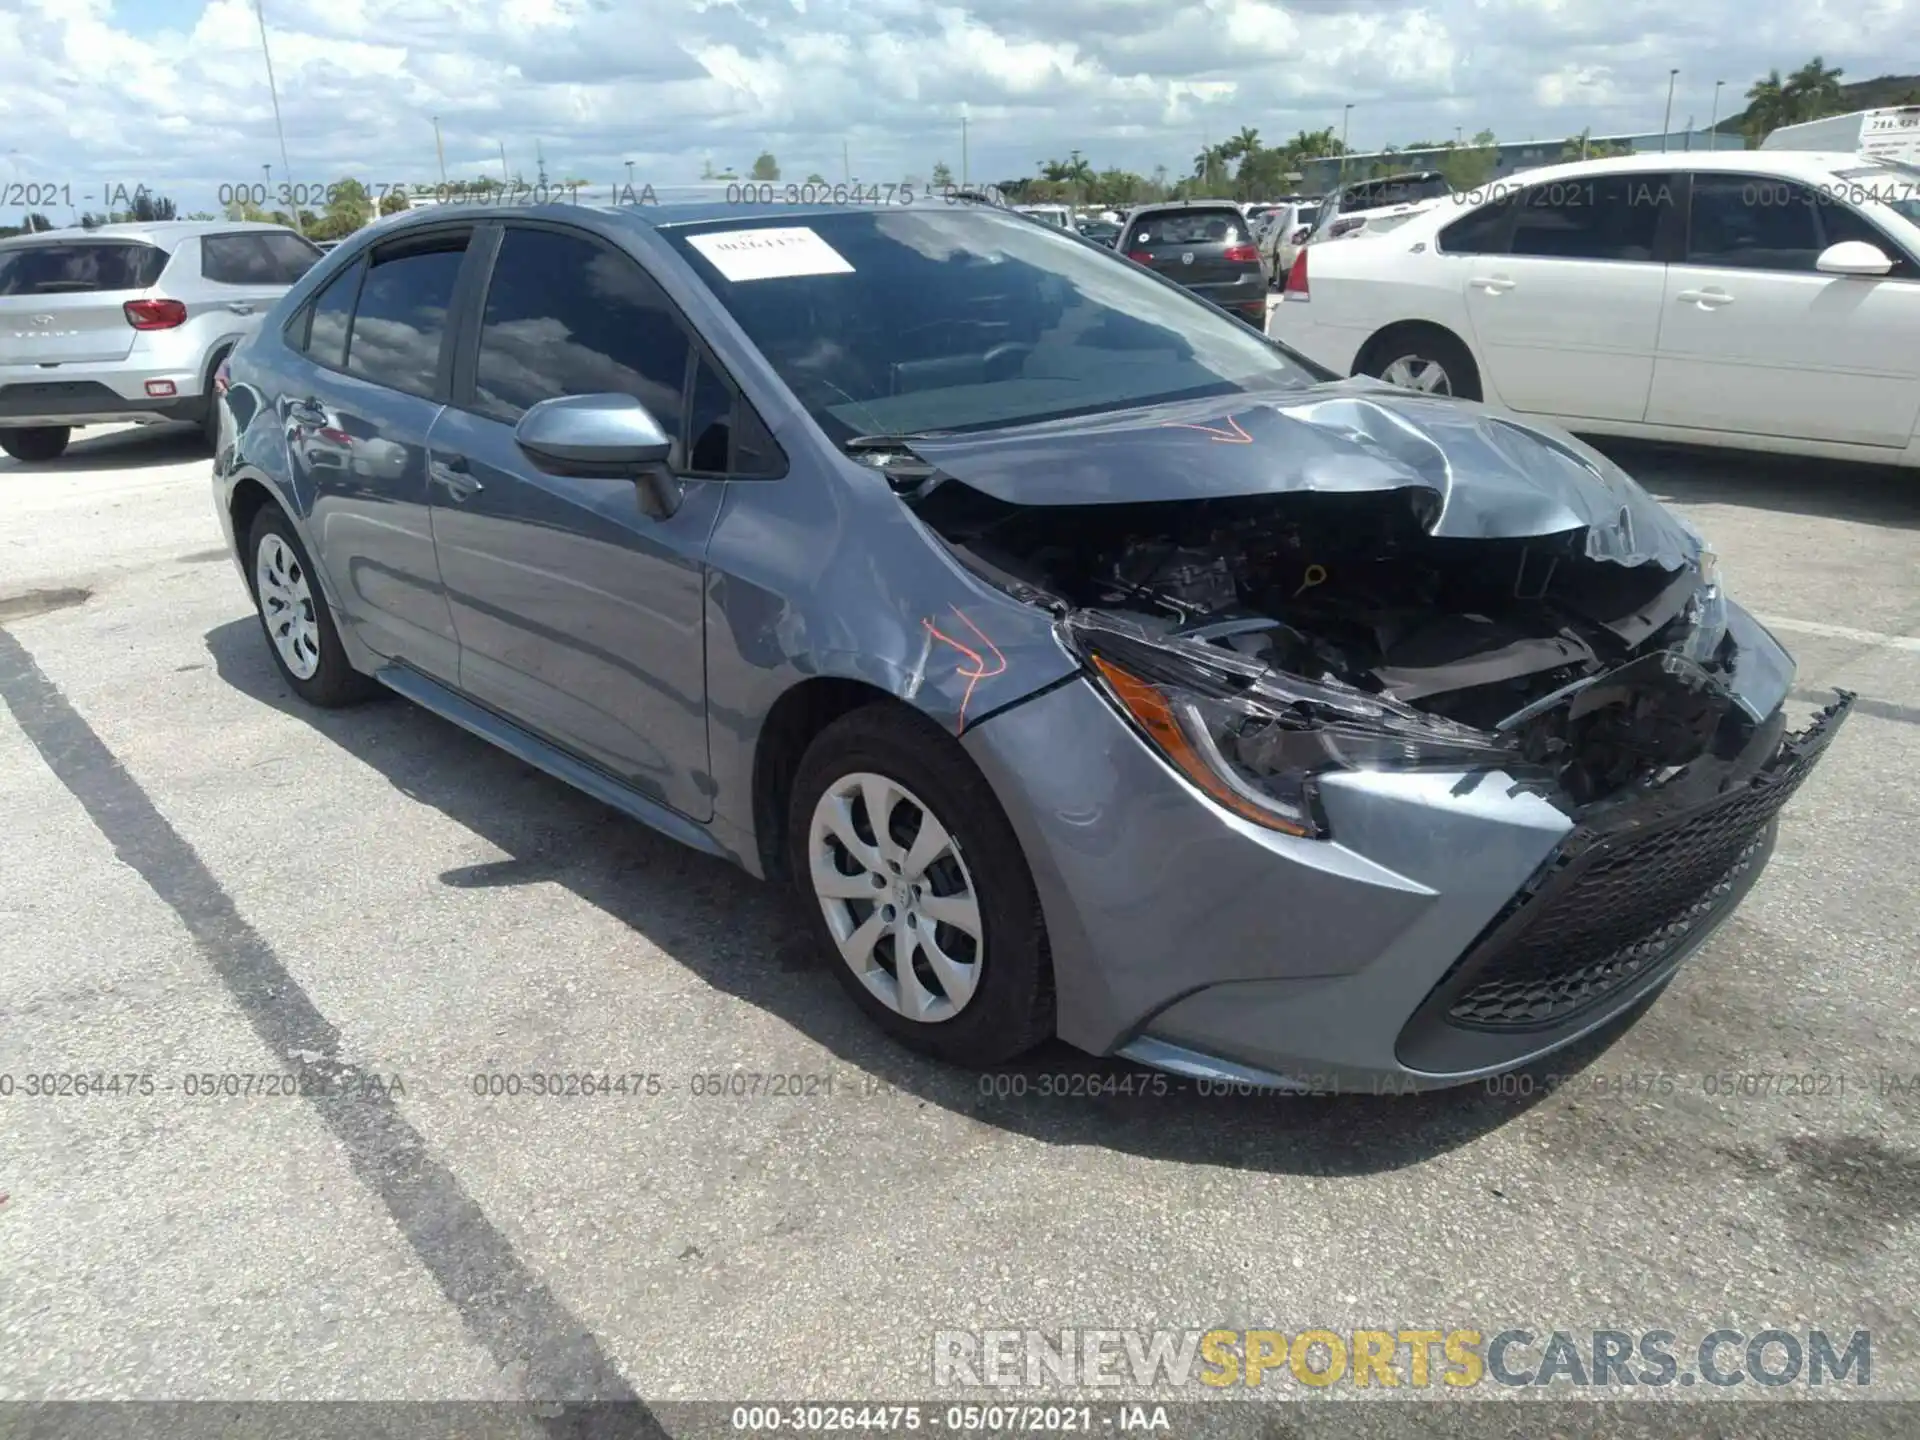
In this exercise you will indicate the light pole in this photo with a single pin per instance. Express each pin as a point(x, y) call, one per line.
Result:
point(440, 150)
point(266, 184)
point(273, 90)
point(1666, 122)
point(1346, 118)
point(963, 142)
point(629, 177)
point(1713, 135)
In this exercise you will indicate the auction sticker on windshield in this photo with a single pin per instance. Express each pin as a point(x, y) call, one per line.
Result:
point(770, 254)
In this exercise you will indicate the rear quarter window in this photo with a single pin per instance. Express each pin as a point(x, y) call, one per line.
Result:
point(79, 267)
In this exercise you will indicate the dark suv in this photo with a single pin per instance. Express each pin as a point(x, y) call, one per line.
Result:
point(1205, 245)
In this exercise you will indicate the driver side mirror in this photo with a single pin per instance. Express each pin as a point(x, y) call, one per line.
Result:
point(604, 437)
point(1853, 257)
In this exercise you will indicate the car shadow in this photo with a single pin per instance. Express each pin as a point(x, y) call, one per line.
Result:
point(1886, 495)
point(745, 937)
point(124, 449)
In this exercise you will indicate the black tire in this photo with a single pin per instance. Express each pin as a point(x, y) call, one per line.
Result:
point(1431, 345)
point(36, 444)
point(1011, 1009)
point(334, 683)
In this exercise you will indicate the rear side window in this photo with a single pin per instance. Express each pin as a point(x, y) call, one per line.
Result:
point(1602, 217)
point(567, 316)
point(79, 267)
point(401, 319)
point(261, 257)
point(1190, 227)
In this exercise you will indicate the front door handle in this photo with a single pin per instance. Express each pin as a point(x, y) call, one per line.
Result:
point(240, 307)
point(1705, 299)
point(455, 476)
point(1493, 284)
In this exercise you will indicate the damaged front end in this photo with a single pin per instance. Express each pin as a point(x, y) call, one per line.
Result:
point(1356, 577)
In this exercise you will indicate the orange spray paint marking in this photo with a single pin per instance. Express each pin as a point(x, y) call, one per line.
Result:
point(980, 668)
point(1236, 436)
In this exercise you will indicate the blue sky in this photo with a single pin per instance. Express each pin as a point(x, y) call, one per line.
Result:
point(173, 94)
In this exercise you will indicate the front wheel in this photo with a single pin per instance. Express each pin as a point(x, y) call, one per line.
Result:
point(917, 889)
point(293, 612)
point(36, 444)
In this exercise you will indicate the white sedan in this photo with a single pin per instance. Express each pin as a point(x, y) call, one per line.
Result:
point(1757, 299)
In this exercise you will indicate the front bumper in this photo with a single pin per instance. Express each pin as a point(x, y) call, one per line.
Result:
point(1450, 929)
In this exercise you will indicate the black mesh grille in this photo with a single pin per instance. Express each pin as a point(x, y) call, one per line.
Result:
point(1612, 908)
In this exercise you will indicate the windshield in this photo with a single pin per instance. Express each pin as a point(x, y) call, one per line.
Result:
point(1893, 183)
point(908, 320)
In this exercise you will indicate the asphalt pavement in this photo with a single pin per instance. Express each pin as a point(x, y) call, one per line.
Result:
point(202, 878)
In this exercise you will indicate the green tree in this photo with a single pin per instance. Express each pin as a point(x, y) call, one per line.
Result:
point(942, 176)
point(816, 178)
point(394, 201)
point(766, 167)
point(1467, 167)
point(1813, 91)
point(1068, 179)
point(1767, 107)
point(203, 215)
point(349, 207)
point(148, 207)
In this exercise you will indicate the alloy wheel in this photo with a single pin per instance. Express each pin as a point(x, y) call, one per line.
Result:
point(286, 605)
point(1417, 372)
point(897, 897)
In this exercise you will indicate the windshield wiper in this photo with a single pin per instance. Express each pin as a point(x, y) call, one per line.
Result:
point(882, 444)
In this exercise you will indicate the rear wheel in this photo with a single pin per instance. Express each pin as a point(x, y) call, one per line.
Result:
point(36, 443)
point(293, 612)
point(917, 889)
point(1429, 361)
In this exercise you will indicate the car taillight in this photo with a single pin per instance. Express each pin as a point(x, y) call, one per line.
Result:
point(1140, 257)
point(155, 314)
point(1296, 286)
point(1242, 255)
point(222, 377)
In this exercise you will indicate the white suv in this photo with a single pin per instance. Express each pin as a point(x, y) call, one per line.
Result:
point(1764, 300)
point(129, 322)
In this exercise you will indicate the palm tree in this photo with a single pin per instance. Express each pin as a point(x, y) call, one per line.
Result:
point(1767, 107)
point(1812, 91)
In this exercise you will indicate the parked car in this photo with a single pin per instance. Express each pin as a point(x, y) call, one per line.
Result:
point(1204, 245)
point(1058, 216)
point(1378, 203)
point(1088, 663)
point(128, 322)
point(1101, 232)
point(1283, 237)
point(1767, 300)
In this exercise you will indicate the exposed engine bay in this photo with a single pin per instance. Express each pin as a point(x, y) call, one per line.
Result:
point(1593, 674)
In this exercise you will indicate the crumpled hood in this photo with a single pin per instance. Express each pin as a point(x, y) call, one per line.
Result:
point(1486, 475)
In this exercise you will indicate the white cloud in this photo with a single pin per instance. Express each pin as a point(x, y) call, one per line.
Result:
point(594, 83)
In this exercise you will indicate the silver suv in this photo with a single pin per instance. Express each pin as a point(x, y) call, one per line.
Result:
point(129, 322)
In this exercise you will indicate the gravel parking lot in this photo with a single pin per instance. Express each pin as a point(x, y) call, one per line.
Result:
point(204, 878)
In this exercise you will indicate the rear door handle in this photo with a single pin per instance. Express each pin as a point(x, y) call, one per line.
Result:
point(455, 476)
point(239, 307)
point(1493, 284)
point(1705, 299)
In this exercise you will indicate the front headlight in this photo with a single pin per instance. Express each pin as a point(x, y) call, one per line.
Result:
point(1256, 740)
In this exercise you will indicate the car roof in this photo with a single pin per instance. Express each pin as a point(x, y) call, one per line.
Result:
point(1809, 164)
point(152, 232)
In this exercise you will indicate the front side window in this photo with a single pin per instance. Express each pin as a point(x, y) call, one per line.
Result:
point(1593, 217)
point(401, 320)
point(260, 257)
point(953, 318)
point(567, 316)
point(332, 318)
point(1753, 222)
